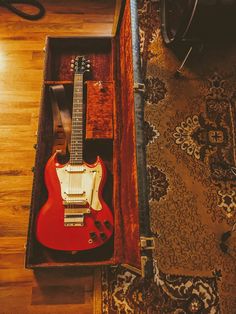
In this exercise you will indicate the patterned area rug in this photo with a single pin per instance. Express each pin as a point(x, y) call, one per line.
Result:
point(125, 293)
point(191, 154)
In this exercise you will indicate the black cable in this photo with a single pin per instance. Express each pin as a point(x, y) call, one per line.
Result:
point(9, 4)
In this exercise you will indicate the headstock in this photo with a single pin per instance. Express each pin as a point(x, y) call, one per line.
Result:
point(80, 65)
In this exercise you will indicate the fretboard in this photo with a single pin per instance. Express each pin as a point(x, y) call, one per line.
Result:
point(76, 148)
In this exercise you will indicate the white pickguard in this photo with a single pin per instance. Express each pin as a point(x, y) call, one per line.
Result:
point(80, 184)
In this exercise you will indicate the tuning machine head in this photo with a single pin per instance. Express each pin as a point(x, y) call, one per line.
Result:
point(80, 64)
point(87, 65)
point(72, 64)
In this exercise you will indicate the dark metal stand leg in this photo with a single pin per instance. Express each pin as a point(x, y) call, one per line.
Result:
point(178, 72)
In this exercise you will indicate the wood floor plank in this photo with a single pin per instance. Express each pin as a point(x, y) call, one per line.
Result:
point(21, 70)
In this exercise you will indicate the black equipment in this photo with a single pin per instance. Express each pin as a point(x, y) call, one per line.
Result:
point(197, 20)
point(11, 5)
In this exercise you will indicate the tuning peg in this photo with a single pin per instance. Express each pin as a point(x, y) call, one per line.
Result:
point(72, 60)
point(72, 66)
point(87, 65)
point(87, 61)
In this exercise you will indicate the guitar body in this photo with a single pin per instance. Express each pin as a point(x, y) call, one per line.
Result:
point(75, 217)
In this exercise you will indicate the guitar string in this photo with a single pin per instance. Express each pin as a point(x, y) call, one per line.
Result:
point(76, 93)
point(78, 88)
point(72, 142)
point(80, 114)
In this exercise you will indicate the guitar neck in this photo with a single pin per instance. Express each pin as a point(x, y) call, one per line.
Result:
point(76, 149)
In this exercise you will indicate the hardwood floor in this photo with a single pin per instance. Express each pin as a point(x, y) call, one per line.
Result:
point(21, 69)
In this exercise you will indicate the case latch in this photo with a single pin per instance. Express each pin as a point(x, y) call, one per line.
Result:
point(139, 87)
point(146, 266)
point(144, 260)
point(147, 243)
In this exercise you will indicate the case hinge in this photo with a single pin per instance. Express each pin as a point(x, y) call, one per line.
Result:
point(139, 87)
point(147, 243)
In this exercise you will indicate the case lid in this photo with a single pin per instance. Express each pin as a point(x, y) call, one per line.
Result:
point(134, 201)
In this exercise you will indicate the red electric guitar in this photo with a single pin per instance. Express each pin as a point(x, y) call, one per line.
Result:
point(75, 216)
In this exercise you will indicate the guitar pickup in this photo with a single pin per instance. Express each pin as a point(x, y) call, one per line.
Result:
point(73, 220)
point(78, 193)
point(78, 203)
point(72, 210)
point(76, 168)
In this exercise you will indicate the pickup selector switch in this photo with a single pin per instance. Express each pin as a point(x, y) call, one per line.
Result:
point(103, 236)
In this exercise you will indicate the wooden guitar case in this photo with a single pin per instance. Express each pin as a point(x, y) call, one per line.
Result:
point(114, 131)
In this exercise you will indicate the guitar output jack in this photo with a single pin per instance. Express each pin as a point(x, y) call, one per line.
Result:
point(90, 241)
